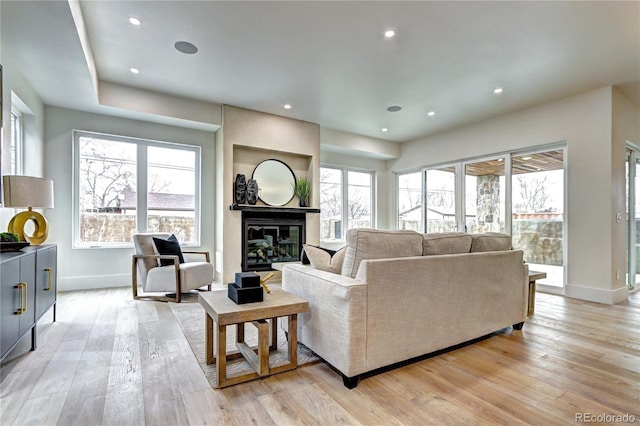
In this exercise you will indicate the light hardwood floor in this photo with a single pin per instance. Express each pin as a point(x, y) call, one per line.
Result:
point(112, 360)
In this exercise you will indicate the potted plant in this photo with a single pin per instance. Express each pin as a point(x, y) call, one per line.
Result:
point(302, 189)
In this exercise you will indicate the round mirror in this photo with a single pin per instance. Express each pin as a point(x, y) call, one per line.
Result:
point(276, 182)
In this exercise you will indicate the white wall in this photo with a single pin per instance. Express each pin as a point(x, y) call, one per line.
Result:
point(584, 122)
point(14, 84)
point(108, 267)
point(352, 144)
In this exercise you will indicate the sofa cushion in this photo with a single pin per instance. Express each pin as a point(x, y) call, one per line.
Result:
point(365, 243)
point(490, 241)
point(170, 246)
point(446, 243)
point(325, 259)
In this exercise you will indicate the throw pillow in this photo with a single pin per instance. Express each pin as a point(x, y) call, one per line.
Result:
point(170, 246)
point(305, 259)
point(323, 259)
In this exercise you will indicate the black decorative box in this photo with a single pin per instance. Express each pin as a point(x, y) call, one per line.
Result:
point(247, 279)
point(242, 295)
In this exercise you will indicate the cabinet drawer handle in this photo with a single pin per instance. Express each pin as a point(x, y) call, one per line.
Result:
point(22, 288)
point(26, 301)
point(50, 273)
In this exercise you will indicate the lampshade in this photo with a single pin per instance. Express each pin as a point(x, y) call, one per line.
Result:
point(28, 192)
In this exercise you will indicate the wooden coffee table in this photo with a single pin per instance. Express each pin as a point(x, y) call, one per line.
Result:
point(263, 315)
point(533, 276)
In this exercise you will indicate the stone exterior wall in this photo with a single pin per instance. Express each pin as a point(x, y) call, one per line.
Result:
point(541, 240)
point(119, 228)
point(488, 201)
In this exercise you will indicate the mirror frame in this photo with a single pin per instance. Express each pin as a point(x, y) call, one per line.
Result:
point(287, 179)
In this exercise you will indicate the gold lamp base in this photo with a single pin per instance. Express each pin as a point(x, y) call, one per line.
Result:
point(18, 222)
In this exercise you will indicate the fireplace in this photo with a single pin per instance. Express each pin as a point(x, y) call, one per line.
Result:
point(270, 237)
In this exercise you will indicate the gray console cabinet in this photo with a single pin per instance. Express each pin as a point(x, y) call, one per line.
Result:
point(46, 280)
point(27, 290)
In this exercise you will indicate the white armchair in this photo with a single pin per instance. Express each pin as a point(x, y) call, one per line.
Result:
point(176, 277)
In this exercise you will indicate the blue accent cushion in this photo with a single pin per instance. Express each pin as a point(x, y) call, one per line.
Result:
point(170, 246)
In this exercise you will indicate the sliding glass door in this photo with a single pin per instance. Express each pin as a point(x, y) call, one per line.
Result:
point(538, 212)
point(484, 187)
point(409, 203)
point(441, 199)
point(519, 193)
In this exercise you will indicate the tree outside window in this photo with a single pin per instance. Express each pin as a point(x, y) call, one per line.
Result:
point(410, 213)
point(110, 209)
point(345, 196)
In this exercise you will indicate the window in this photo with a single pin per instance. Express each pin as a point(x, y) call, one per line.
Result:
point(126, 185)
point(346, 196)
point(409, 191)
point(15, 167)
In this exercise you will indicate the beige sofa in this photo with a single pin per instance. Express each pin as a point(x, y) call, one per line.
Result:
point(402, 294)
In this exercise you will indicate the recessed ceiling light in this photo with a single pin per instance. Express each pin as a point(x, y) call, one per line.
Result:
point(526, 158)
point(497, 90)
point(134, 70)
point(389, 33)
point(394, 108)
point(287, 106)
point(431, 113)
point(134, 21)
point(384, 129)
point(185, 47)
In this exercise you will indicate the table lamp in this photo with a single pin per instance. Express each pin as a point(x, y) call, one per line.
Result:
point(28, 192)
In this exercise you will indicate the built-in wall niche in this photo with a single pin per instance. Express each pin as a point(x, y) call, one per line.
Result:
point(245, 159)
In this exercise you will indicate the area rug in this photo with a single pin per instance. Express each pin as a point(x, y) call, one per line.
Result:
point(191, 318)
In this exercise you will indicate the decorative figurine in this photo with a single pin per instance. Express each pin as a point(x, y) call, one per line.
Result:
point(240, 189)
point(252, 191)
point(263, 282)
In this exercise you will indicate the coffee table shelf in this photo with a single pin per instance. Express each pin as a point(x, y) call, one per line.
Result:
point(263, 315)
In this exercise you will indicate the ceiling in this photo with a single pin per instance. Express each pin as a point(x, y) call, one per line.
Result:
point(330, 60)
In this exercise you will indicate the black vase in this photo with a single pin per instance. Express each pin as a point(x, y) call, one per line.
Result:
point(240, 189)
point(252, 191)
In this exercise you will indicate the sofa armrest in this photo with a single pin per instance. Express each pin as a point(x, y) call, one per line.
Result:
point(334, 328)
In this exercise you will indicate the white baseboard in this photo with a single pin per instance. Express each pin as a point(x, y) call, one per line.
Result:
point(598, 295)
point(93, 282)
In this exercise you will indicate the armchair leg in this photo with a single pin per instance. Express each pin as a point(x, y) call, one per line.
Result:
point(134, 278)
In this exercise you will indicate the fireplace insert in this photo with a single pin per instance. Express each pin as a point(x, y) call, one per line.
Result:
point(271, 237)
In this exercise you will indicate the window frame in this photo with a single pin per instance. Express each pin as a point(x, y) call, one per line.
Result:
point(345, 197)
point(141, 185)
point(16, 144)
point(396, 194)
